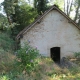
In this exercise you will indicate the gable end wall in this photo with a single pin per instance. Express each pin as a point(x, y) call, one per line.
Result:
point(54, 31)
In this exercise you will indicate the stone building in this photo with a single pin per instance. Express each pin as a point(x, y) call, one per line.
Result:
point(53, 33)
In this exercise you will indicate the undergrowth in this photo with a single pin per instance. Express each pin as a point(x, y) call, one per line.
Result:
point(27, 64)
point(45, 70)
point(6, 42)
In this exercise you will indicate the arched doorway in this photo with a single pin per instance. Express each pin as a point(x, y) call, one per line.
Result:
point(55, 54)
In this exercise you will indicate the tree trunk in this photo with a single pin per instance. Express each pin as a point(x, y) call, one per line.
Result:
point(76, 13)
point(67, 6)
point(79, 21)
point(70, 7)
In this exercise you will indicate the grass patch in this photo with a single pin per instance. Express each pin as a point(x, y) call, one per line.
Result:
point(46, 69)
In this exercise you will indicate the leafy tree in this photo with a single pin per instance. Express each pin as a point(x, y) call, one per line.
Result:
point(40, 5)
point(24, 15)
point(3, 22)
point(60, 3)
point(19, 14)
point(9, 8)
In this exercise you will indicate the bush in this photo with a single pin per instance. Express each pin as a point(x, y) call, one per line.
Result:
point(4, 77)
point(77, 54)
point(6, 43)
point(26, 57)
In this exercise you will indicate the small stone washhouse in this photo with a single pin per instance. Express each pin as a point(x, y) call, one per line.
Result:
point(53, 33)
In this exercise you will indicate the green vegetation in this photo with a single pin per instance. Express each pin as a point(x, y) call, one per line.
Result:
point(27, 64)
point(41, 6)
point(45, 69)
point(7, 46)
point(77, 55)
point(3, 22)
point(76, 58)
point(19, 15)
point(26, 58)
point(24, 15)
point(6, 43)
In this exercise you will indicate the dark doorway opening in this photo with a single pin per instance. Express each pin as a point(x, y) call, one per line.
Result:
point(55, 54)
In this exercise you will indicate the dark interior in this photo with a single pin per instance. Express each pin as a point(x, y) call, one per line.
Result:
point(55, 54)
